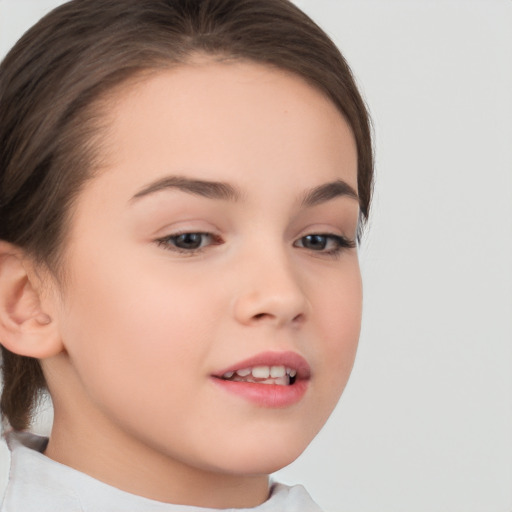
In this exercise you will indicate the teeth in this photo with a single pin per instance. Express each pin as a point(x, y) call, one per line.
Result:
point(280, 381)
point(261, 372)
point(277, 371)
point(264, 374)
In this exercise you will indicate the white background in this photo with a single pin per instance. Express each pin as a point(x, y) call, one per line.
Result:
point(425, 424)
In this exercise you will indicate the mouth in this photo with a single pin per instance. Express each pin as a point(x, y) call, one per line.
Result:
point(277, 375)
point(270, 379)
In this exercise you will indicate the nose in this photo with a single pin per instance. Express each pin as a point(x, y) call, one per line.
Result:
point(270, 292)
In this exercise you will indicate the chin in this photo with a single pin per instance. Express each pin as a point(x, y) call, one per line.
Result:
point(264, 465)
point(262, 456)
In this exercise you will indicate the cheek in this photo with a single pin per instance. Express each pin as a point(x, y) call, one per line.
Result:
point(339, 308)
point(124, 327)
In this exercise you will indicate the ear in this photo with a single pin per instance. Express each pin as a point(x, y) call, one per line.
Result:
point(26, 324)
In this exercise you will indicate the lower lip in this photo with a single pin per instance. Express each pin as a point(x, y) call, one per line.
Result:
point(266, 395)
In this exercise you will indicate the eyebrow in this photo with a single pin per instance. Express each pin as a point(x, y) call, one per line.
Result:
point(227, 192)
point(203, 188)
point(328, 191)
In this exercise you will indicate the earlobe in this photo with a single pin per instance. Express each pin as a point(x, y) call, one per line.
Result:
point(26, 326)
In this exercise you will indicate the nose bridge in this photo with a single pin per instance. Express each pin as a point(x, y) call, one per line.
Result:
point(270, 289)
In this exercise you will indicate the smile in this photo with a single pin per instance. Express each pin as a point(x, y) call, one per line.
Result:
point(277, 375)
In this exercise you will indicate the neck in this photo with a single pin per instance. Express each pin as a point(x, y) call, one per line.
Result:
point(140, 470)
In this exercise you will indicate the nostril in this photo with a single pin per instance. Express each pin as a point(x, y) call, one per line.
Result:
point(271, 306)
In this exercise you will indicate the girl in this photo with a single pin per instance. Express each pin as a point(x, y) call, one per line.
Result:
point(182, 187)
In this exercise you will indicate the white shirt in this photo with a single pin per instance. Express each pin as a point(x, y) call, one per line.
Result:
point(31, 482)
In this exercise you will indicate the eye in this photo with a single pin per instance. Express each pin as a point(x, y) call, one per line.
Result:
point(325, 243)
point(189, 242)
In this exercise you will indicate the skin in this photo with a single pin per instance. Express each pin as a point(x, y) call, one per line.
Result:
point(142, 327)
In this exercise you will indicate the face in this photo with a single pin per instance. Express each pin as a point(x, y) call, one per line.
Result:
point(219, 237)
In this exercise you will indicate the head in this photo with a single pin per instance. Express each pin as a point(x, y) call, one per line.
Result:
point(89, 71)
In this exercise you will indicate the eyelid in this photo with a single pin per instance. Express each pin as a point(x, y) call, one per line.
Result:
point(329, 226)
point(335, 241)
point(342, 244)
point(164, 241)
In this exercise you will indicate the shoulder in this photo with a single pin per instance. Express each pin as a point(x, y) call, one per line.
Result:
point(285, 498)
point(27, 481)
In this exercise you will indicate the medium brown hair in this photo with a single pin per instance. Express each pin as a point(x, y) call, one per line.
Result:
point(54, 79)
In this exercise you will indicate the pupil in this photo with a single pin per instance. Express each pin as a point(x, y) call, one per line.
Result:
point(189, 241)
point(315, 242)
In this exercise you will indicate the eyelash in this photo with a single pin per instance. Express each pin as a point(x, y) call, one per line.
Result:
point(341, 243)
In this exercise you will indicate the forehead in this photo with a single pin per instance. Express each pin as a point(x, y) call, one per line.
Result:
point(193, 113)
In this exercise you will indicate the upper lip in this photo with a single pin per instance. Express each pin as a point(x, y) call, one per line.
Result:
point(287, 359)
